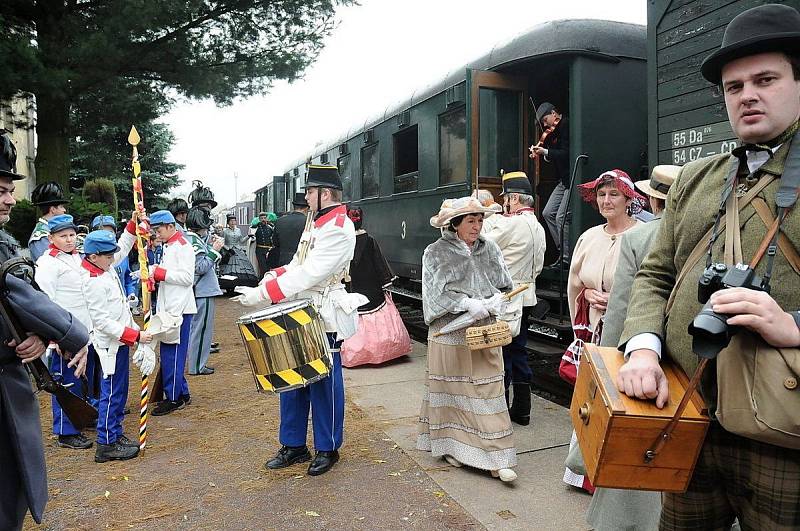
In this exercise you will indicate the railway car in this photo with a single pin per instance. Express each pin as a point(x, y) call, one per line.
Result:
point(477, 121)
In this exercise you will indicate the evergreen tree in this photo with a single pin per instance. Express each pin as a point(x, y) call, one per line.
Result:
point(222, 49)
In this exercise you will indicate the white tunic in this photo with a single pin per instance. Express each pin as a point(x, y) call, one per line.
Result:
point(60, 276)
point(175, 275)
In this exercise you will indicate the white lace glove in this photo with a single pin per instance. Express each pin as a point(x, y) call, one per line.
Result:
point(496, 304)
point(476, 308)
point(145, 359)
point(251, 296)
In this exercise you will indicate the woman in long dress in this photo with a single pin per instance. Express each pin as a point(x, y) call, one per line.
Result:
point(594, 261)
point(464, 416)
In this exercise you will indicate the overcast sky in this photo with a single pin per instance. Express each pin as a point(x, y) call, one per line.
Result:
point(377, 55)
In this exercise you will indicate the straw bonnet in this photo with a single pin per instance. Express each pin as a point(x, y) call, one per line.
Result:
point(659, 182)
point(452, 208)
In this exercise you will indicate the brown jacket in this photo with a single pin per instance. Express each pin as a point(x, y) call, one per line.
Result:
point(691, 205)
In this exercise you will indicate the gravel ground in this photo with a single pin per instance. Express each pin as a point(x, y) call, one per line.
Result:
point(203, 468)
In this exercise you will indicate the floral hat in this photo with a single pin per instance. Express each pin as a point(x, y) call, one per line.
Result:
point(623, 183)
point(452, 208)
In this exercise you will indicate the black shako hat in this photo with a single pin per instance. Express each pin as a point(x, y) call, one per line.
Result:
point(8, 158)
point(767, 28)
point(48, 194)
point(300, 200)
point(516, 182)
point(323, 177)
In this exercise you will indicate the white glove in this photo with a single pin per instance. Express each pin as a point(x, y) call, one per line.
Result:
point(476, 308)
point(496, 304)
point(133, 301)
point(137, 275)
point(145, 359)
point(251, 296)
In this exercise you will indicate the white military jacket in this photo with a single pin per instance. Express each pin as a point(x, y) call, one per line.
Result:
point(521, 239)
point(175, 275)
point(112, 322)
point(319, 277)
point(60, 276)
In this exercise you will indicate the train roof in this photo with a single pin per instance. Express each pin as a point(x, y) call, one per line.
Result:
point(558, 37)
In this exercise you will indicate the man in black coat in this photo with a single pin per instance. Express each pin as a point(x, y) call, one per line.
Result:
point(288, 230)
point(23, 477)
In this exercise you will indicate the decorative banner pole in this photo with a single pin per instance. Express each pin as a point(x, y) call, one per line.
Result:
point(147, 283)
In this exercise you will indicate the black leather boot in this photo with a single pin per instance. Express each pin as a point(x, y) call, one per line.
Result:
point(288, 456)
point(323, 462)
point(520, 411)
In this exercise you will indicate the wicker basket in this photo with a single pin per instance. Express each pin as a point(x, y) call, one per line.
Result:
point(492, 335)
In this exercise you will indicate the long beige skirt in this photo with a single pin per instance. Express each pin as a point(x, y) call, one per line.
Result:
point(464, 412)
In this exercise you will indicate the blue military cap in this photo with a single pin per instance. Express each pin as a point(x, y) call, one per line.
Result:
point(161, 217)
point(100, 242)
point(103, 221)
point(59, 223)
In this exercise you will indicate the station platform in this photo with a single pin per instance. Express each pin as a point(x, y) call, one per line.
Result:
point(391, 395)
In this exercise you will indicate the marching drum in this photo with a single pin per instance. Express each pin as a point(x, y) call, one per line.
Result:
point(286, 345)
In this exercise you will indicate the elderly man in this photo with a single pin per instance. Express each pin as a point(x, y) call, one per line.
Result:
point(746, 476)
point(521, 239)
point(23, 477)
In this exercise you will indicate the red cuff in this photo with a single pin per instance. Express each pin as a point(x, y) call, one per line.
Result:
point(279, 271)
point(129, 336)
point(274, 291)
point(159, 274)
point(131, 227)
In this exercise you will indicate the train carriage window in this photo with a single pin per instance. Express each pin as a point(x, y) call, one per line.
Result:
point(406, 160)
point(500, 132)
point(370, 170)
point(453, 146)
point(346, 174)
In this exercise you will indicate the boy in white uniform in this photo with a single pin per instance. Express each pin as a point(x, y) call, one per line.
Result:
point(114, 332)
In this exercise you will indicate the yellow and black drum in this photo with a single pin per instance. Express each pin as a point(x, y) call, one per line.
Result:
point(286, 345)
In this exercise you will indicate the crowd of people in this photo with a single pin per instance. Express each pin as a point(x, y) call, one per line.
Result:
point(729, 213)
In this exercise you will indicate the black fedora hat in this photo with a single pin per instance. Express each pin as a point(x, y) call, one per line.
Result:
point(300, 200)
point(323, 176)
point(767, 28)
point(8, 158)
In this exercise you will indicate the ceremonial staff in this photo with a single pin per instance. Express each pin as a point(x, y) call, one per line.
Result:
point(147, 282)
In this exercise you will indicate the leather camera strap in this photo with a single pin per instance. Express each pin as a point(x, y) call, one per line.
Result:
point(786, 247)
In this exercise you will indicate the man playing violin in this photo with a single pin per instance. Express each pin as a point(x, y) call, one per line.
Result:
point(553, 146)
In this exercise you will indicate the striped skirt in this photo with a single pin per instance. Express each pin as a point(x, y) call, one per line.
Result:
point(464, 412)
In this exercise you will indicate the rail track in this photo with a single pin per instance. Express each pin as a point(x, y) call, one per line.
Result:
point(546, 344)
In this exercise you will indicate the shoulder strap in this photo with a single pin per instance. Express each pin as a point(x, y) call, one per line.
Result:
point(700, 249)
point(786, 247)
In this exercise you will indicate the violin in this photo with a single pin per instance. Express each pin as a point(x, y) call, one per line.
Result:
point(547, 132)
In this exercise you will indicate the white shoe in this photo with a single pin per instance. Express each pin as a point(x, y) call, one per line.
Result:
point(452, 461)
point(506, 475)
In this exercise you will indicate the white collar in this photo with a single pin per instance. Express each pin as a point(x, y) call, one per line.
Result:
point(756, 159)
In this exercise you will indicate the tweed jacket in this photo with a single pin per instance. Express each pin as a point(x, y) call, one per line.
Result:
point(452, 273)
point(633, 248)
point(691, 205)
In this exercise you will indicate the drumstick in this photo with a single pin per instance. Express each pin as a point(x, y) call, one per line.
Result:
point(508, 296)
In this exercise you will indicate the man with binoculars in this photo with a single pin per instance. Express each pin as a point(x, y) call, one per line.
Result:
point(728, 239)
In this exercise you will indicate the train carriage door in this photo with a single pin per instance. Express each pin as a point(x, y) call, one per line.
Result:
point(498, 126)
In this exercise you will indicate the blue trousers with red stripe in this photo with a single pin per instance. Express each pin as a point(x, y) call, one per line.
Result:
point(113, 397)
point(173, 363)
point(326, 400)
point(66, 376)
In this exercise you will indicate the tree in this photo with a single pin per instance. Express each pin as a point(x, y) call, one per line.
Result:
point(219, 49)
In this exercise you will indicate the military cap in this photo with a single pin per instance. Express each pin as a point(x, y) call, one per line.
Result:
point(103, 221)
point(161, 217)
point(60, 222)
point(48, 194)
point(100, 242)
point(323, 177)
point(516, 182)
point(8, 158)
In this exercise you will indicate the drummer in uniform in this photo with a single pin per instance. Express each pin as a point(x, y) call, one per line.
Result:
point(330, 244)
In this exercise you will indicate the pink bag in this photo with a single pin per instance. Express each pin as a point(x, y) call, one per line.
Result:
point(381, 337)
